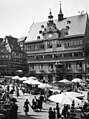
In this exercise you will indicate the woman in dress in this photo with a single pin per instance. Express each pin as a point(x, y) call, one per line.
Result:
point(26, 106)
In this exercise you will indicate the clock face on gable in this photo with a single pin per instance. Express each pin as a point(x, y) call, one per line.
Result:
point(49, 35)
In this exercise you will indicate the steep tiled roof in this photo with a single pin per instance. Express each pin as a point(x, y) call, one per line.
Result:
point(77, 26)
point(13, 44)
point(22, 39)
point(3, 50)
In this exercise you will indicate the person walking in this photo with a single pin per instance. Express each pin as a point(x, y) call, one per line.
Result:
point(13, 111)
point(51, 113)
point(26, 106)
point(35, 103)
point(58, 111)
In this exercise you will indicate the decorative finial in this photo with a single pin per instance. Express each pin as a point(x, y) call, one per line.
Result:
point(60, 15)
point(60, 8)
point(50, 15)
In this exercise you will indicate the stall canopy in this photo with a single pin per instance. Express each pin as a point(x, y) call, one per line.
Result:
point(77, 80)
point(44, 86)
point(23, 78)
point(64, 81)
point(32, 81)
point(15, 77)
point(64, 98)
point(32, 77)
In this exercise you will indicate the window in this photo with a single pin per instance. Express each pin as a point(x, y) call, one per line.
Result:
point(31, 58)
point(39, 57)
point(2, 51)
point(41, 46)
point(67, 54)
point(71, 43)
point(32, 66)
point(28, 47)
point(2, 56)
point(41, 66)
point(78, 65)
point(68, 65)
point(6, 56)
point(51, 66)
point(75, 43)
point(49, 44)
point(48, 56)
point(58, 43)
point(75, 54)
point(57, 55)
point(78, 54)
point(67, 44)
point(81, 42)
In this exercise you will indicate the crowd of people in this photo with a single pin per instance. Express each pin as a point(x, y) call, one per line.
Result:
point(54, 113)
point(36, 104)
point(8, 106)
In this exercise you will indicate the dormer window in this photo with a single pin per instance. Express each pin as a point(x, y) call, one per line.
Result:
point(42, 26)
point(1, 50)
point(45, 29)
point(67, 27)
point(68, 22)
point(40, 32)
point(38, 37)
point(66, 33)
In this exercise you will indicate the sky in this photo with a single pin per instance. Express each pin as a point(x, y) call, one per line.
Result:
point(17, 16)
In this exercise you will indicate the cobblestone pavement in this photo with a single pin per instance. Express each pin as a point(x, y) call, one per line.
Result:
point(32, 115)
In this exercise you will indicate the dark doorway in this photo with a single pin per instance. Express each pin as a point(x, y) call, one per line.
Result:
point(69, 77)
point(40, 77)
point(79, 76)
point(50, 79)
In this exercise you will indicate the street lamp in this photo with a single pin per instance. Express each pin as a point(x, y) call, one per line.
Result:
point(59, 69)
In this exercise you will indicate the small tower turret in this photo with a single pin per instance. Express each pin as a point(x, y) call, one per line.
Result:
point(60, 15)
point(50, 17)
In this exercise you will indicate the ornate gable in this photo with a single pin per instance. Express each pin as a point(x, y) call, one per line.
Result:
point(49, 31)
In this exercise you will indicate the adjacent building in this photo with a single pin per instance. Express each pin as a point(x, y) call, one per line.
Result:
point(59, 48)
point(12, 58)
point(21, 42)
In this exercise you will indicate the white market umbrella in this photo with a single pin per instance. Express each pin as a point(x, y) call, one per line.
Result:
point(16, 78)
point(20, 71)
point(75, 94)
point(32, 77)
point(64, 98)
point(44, 86)
point(32, 81)
point(77, 80)
point(23, 78)
point(64, 81)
